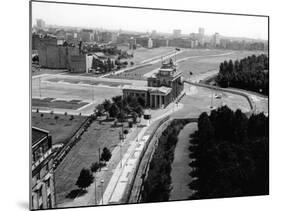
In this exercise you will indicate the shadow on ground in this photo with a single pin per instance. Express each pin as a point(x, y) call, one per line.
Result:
point(75, 193)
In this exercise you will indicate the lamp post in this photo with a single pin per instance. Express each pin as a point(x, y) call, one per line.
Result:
point(121, 138)
point(40, 87)
point(102, 181)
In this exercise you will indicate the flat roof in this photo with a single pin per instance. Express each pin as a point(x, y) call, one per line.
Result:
point(38, 134)
point(161, 90)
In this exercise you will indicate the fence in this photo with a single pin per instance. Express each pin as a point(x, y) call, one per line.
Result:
point(72, 141)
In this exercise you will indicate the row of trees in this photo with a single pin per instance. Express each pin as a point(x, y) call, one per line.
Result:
point(158, 181)
point(86, 177)
point(122, 108)
point(230, 153)
point(250, 73)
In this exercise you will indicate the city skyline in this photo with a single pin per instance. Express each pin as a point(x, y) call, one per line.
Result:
point(126, 19)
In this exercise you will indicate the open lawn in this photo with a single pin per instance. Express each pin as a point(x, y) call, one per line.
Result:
point(180, 177)
point(142, 54)
point(87, 81)
point(205, 64)
point(60, 129)
point(194, 60)
point(51, 103)
point(75, 91)
point(40, 71)
point(83, 154)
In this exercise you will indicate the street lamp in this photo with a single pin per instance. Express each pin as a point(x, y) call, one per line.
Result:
point(102, 181)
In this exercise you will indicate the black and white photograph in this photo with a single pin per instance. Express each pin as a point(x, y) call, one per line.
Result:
point(133, 105)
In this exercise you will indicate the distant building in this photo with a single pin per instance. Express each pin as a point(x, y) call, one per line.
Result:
point(40, 24)
point(216, 39)
point(85, 35)
point(160, 42)
point(150, 43)
point(105, 37)
point(201, 36)
point(162, 87)
point(180, 42)
point(42, 184)
point(176, 33)
point(53, 54)
point(201, 31)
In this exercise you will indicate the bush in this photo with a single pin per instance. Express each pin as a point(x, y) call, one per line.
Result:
point(95, 166)
point(85, 179)
point(106, 154)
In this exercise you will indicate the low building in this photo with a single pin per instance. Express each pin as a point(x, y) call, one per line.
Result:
point(42, 183)
point(162, 87)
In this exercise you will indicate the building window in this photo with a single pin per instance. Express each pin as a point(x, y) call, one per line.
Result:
point(48, 183)
point(40, 192)
point(49, 201)
point(47, 167)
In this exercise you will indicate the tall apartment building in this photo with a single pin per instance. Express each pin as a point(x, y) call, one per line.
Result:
point(176, 33)
point(42, 183)
point(40, 23)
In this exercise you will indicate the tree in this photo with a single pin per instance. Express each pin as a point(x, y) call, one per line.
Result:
point(106, 105)
point(99, 109)
point(85, 179)
point(56, 118)
point(106, 154)
point(94, 167)
point(121, 116)
point(113, 111)
point(71, 118)
point(134, 116)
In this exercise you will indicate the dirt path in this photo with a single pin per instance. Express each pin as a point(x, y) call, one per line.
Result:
point(180, 168)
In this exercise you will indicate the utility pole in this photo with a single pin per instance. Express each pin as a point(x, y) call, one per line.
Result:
point(95, 189)
point(40, 87)
point(121, 137)
point(102, 181)
point(212, 99)
point(99, 159)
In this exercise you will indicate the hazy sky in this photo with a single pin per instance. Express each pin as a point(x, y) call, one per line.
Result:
point(148, 20)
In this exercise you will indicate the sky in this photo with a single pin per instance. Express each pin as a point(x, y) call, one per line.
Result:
point(141, 20)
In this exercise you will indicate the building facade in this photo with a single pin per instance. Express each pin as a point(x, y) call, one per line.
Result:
point(162, 87)
point(42, 184)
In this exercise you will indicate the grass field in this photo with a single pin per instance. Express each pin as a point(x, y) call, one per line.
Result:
point(142, 54)
point(75, 91)
point(204, 61)
point(87, 81)
point(83, 154)
point(62, 129)
point(202, 65)
point(180, 177)
point(63, 104)
point(40, 71)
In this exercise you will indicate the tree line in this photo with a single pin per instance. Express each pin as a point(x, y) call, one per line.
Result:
point(230, 155)
point(250, 73)
point(122, 108)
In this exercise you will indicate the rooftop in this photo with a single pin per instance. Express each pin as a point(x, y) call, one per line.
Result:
point(162, 89)
point(38, 134)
